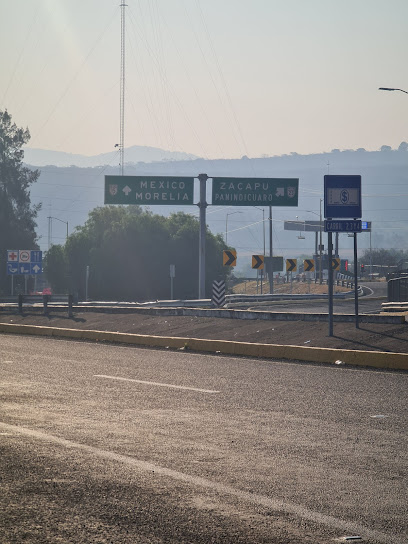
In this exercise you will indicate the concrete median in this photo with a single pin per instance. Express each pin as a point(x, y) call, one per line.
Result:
point(378, 359)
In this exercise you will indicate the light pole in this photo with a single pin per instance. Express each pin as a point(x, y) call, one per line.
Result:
point(50, 229)
point(226, 226)
point(391, 89)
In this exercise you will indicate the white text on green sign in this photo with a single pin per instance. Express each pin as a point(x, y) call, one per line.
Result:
point(255, 191)
point(153, 190)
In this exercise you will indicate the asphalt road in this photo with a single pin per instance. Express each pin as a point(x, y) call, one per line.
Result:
point(109, 444)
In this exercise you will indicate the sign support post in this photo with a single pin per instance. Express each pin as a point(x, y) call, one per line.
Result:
point(201, 243)
point(355, 281)
point(270, 251)
point(330, 280)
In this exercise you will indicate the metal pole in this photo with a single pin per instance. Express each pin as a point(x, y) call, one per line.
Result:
point(320, 248)
point(371, 259)
point(330, 281)
point(201, 242)
point(270, 251)
point(355, 281)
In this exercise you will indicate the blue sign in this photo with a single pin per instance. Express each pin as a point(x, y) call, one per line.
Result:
point(12, 269)
point(342, 197)
point(336, 225)
point(35, 268)
point(36, 256)
point(24, 268)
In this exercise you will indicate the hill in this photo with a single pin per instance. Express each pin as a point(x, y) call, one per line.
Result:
point(68, 194)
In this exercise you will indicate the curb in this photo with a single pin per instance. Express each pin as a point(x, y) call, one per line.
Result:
point(376, 359)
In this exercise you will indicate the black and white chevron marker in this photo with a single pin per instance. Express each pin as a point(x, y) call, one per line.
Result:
point(218, 293)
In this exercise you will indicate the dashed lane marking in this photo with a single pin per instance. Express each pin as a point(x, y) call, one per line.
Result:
point(158, 384)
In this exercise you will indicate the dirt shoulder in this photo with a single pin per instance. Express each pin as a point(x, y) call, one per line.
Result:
point(369, 337)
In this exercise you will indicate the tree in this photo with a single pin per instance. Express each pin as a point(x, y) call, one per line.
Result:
point(129, 252)
point(17, 216)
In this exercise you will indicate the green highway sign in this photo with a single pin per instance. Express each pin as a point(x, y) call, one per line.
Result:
point(153, 190)
point(255, 191)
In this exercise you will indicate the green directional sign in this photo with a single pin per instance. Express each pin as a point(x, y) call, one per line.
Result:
point(152, 190)
point(255, 191)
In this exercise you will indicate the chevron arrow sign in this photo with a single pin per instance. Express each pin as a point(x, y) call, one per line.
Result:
point(291, 265)
point(258, 262)
point(229, 257)
point(309, 265)
point(218, 293)
point(335, 264)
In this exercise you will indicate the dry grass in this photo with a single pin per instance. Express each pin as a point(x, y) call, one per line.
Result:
point(301, 288)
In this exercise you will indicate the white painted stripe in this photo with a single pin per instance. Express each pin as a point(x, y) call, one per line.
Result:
point(254, 498)
point(156, 383)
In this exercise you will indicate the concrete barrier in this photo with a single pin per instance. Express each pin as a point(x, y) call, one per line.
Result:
point(378, 359)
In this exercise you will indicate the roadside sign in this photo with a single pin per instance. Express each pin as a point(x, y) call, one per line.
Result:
point(309, 265)
point(342, 197)
point(273, 264)
point(24, 261)
point(255, 191)
point(342, 225)
point(153, 190)
point(335, 264)
point(12, 269)
point(24, 268)
point(366, 226)
point(229, 257)
point(258, 262)
point(35, 268)
point(291, 265)
point(36, 256)
point(24, 256)
point(218, 293)
point(12, 255)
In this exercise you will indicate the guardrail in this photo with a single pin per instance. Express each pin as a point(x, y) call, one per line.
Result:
point(20, 300)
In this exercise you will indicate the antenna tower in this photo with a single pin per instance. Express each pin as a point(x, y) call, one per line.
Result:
point(122, 89)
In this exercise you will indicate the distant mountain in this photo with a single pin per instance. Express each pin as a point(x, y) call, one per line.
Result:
point(134, 154)
point(68, 194)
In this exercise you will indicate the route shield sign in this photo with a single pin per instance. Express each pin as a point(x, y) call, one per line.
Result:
point(342, 197)
point(255, 191)
point(153, 190)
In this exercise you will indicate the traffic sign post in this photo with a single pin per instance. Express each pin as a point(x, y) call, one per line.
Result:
point(342, 200)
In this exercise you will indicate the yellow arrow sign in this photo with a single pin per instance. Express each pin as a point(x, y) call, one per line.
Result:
point(229, 257)
point(309, 265)
point(335, 264)
point(258, 262)
point(291, 265)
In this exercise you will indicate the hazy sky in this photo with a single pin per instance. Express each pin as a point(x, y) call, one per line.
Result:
point(217, 78)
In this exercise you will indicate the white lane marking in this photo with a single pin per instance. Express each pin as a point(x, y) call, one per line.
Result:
point(255, 498)
point(156, 383)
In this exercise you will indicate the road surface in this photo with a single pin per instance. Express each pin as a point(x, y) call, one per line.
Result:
point(109, 444)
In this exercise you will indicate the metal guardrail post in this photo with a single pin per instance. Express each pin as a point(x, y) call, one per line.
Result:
point(70, 301)
point(45, 302)
point(20, 303)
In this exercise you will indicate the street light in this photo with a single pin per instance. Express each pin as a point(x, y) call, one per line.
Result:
point(391, 89)
point(226, 226)
point(50, 229)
